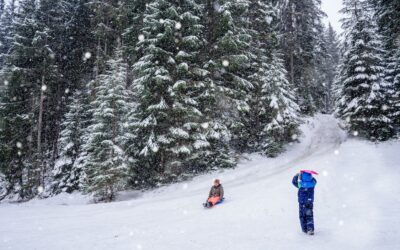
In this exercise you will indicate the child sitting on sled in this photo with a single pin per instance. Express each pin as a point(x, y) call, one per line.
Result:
point(216, 194)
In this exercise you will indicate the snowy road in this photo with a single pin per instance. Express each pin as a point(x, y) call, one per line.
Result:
point(357, 205)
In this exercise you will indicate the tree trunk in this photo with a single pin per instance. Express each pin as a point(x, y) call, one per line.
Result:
point(292, 68)
point(39, 133)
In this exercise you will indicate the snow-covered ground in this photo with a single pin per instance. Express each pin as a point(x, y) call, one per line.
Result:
point(357, 205)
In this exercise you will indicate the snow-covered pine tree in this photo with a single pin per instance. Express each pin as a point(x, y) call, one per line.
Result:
point(6, 19)
point(134, 15)
point(76, 51)
point(269, 82)
point(67, 173)
point(331, 63)
point(388, 15)
point(106, 29)
point(365, 94)
point(281, 109)
point(261, 18)
point(227, 58)
point(20, 104)
point(393, 78)
point(34, 85)
point(105, 166)
point(328, 60)
point(301, 29)
point(170, 137)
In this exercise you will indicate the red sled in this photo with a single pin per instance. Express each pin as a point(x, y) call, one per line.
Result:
point(309, 172)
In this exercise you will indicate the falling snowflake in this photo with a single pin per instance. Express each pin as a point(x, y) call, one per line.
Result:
point(141, 38)
point(131, 234)
point(6, 82)
point(205, 125)
point(162, 21)
point(88, 55)
point(344, 206)
point(355, 133)
point(138, 246)
point(385, 107)
point(294, 137)
point(268, 19)
point(40, 189)
point(44, 87)
point(336, 152)
point(178, 25)
point(347, 119)
point(19, 145)
point(325, 173)
point(185, 186)
point(341, 223)
point(185, 212)
point(66, 91)
point(19, 153)
point(225, 63)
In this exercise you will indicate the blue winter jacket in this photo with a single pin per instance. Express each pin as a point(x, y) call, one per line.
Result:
point(305, 183)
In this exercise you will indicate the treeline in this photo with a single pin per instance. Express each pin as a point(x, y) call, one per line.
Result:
point(368, 96)
point(102, 96)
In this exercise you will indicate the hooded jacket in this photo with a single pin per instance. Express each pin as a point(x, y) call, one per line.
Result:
point(305, 183)
point(217, 191)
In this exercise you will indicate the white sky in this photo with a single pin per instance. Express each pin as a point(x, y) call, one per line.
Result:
point(331, 8)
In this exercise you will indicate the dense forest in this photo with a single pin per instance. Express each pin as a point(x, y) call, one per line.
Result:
point(99, 96)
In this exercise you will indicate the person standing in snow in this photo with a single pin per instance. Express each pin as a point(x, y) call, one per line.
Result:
point(216, 194)
point(305, 182)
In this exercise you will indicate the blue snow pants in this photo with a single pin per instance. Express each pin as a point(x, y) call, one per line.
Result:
point(306, 216)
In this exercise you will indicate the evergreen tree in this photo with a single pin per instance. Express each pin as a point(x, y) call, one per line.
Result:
point(106, 29)
point(77, 45)
point(261, 20)
point(134, 13)
point(7, 12)
point(327, 68)
point(393, 76)
point(19, 104)
point(170, 137)
point(227, 59)
point(301, 29)
point(66, 173)
point(281, 109)
point(268, 83)
point(388, 14)
point(365, 94)
point(105, 167)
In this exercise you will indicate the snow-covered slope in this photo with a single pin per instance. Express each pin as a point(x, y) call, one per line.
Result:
point(357, 205)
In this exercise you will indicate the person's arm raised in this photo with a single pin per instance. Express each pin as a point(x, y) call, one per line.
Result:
point(295, 181)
